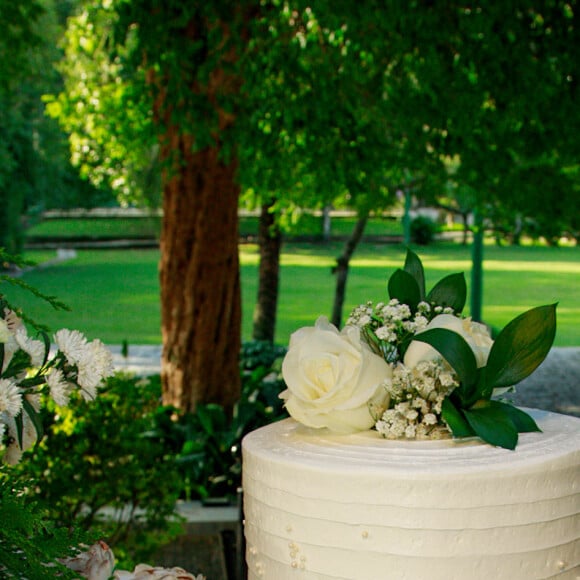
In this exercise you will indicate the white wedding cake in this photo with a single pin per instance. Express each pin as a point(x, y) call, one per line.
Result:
point(324, 506)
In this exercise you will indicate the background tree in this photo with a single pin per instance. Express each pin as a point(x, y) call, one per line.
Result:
point(34, 169)
point(299, 103)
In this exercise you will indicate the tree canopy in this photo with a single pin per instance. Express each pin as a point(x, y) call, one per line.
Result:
point(304, 102)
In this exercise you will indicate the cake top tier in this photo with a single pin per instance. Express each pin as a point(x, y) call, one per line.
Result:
point(289, 442)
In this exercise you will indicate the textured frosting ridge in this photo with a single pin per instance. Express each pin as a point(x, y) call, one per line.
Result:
point(321, 506)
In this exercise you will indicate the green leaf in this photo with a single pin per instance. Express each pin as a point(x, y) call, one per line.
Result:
point(450, 291)
point(212, 418)
point(35, 419)
point(455, 419)
point(521, 346)
point(405, 289)
point(492, 424)
point(455, 350)
point(414, 267)
point(521, 420)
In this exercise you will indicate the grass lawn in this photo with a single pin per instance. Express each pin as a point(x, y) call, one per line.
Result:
point(114, 295)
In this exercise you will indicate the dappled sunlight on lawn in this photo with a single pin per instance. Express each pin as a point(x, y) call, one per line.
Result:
point(532, 266)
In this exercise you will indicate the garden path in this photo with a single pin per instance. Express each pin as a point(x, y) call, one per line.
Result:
point(554, 386)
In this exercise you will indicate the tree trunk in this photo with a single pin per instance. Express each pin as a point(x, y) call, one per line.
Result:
point(270, 242)
point(200, 284)
point(341, 268)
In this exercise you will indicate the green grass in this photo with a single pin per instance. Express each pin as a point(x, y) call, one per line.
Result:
point(97, 227)
point(115, 294)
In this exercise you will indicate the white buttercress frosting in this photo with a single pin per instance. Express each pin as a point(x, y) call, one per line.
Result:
point(323, 506)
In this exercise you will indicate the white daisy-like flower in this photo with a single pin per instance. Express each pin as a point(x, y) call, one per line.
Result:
point(102, 358)
point(10, 397)
point(96, 364)
point(72, 344)
point(34, 348)
point(60, 389)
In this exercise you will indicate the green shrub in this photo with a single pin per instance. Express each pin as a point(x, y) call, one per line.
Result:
point(116, 453)
point(423, 230)
point(211, 451)
point(119, 463)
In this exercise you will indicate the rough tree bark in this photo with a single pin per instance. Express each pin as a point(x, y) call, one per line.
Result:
point(199, 265)
point(270, 242)
point(200, 285)
point(342, 264)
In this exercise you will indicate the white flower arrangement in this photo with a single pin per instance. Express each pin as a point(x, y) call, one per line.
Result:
point(413, 367)
point(28, 369)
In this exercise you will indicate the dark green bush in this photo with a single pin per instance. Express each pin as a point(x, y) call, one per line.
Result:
point(119, 464)
point(211, 452)
point(110, 464)
point(423, 230)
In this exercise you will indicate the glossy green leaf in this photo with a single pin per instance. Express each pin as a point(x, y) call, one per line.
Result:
point(492, 424)
point(450, 291)
point(414, 267)
point(521, 346)
point(455, 350)
point(521, 420)
point(455, 419)
point(405, 289)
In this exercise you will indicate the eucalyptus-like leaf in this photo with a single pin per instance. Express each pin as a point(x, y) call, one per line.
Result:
point(405, 289)
point(34, 418)
point(455, 419)
point(492, 424)
point(455, 350)
point(521, 347)
point(414, 267)
point(449, 291)
point(46, 340)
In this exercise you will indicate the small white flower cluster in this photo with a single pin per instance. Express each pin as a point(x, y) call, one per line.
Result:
point(416, 398)
point(27, 371)
point(392, 322)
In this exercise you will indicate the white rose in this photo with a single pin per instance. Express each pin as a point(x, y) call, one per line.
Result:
point(334, 379)
point(475, 334)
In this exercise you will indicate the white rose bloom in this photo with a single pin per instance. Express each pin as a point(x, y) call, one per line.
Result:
point(333, 378)
point(475, 334)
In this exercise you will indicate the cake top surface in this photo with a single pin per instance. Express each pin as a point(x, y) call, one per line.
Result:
point(290, 442)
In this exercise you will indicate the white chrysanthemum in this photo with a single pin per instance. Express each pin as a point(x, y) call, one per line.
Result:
point(72, 344)
point(60, 389)
point(10, 397)
point(95, 364)
point(102, 358)
point(34, 348)
point(4, 331)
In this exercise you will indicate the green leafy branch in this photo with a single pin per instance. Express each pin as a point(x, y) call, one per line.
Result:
point(516, 353)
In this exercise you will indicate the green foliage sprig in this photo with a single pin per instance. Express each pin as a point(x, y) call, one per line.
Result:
point(517, 351)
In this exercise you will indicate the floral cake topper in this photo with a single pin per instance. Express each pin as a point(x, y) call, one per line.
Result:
point(413, 367)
